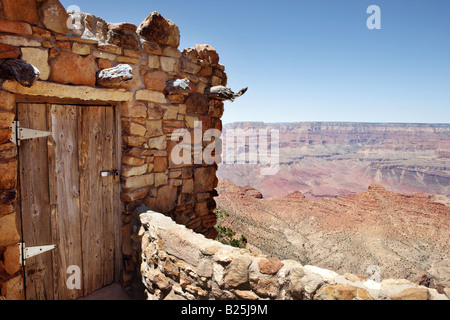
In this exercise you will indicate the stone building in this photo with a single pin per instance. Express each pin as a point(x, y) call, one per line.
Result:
point(86, 139)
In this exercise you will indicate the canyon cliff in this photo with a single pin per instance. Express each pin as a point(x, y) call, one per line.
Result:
point(334, 159)
point(404, 235)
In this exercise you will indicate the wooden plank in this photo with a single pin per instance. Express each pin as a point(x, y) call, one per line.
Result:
point(116, 194)
point(57, 100)
point(109, 230)
point(91, 139)
point(64, 193)
point(35, 209)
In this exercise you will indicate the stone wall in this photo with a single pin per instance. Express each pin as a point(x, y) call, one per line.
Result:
point(178, 264)
point(133, 68)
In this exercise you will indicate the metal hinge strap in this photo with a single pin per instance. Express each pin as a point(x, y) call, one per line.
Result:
point(19, 134)
point(29, 252)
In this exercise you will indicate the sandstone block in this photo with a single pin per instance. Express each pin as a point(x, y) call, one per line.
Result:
point(15, 27)
point(8, 176)
point(11, 259)
point(17, 41)
point(237, 273)
point(166, 199)
point(134, 129)
point(412, 294)
point(159, 143)
point(153, 62)
point(161, 179)
point(169, 64)
point(201, 209)
point(132, 161)
point(190, 67)
point(342, 292)
point(160, 164)
point(39, 59)
point(129, 171)
point(197, 104)
point(134, 110)
point(123, 35)
point(138, 182)
point(270, 266)
point(151, 47)
point(154, 129)
point(296, 289)
point(8, 230)
point(207, 53)
point(6, 119)
point(155, 80)
point(73, 69)
point(188, 186)
point(81, 49)
point(134, 195)
point(54, 16)
point(5, 135)
point(38, 32)
point(204, 179)
point(152, 96)
point(171, 52)
point(265, 287)
point(157, 28)
point(13, 289)
point(246, 295)
point(21, 10)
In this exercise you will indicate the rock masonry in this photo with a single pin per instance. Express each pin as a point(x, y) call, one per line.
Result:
point(178, 264)
point(80, 56)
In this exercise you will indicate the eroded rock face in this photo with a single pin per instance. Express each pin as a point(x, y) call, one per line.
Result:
point(157, 28)
point(54, 16)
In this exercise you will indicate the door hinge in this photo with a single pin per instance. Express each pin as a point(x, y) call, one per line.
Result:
point(29, 252)
point(19, 134)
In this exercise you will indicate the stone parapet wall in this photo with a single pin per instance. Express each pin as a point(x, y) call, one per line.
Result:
point(178, 264)
point(132, 68)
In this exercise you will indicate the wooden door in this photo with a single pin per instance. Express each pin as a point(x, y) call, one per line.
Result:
point(66, 201)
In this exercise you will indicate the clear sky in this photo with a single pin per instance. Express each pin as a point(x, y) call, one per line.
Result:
point(316, 60)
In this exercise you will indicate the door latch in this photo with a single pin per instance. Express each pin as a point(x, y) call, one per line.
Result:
point(114, 173)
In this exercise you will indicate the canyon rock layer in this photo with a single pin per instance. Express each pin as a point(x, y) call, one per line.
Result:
point(404, 235)
point(336, 159)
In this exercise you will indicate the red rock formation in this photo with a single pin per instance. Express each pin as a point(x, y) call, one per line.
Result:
point(406, 235)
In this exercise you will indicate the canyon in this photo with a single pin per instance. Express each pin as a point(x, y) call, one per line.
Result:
point(326, 159)
point(405, 236)
point(347, 196)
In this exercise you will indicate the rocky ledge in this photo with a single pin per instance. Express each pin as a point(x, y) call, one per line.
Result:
point(178, 264)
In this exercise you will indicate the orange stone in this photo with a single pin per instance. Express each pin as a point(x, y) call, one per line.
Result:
point(73, 69)
point(15, 27)
point(21, 10)
point(155, 80)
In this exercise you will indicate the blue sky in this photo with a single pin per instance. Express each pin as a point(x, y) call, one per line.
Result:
point(315, 60)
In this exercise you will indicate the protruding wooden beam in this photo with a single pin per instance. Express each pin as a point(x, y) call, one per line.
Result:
point(113, 77)
point(178, 86)
point(223, 93)
point(19, 70)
